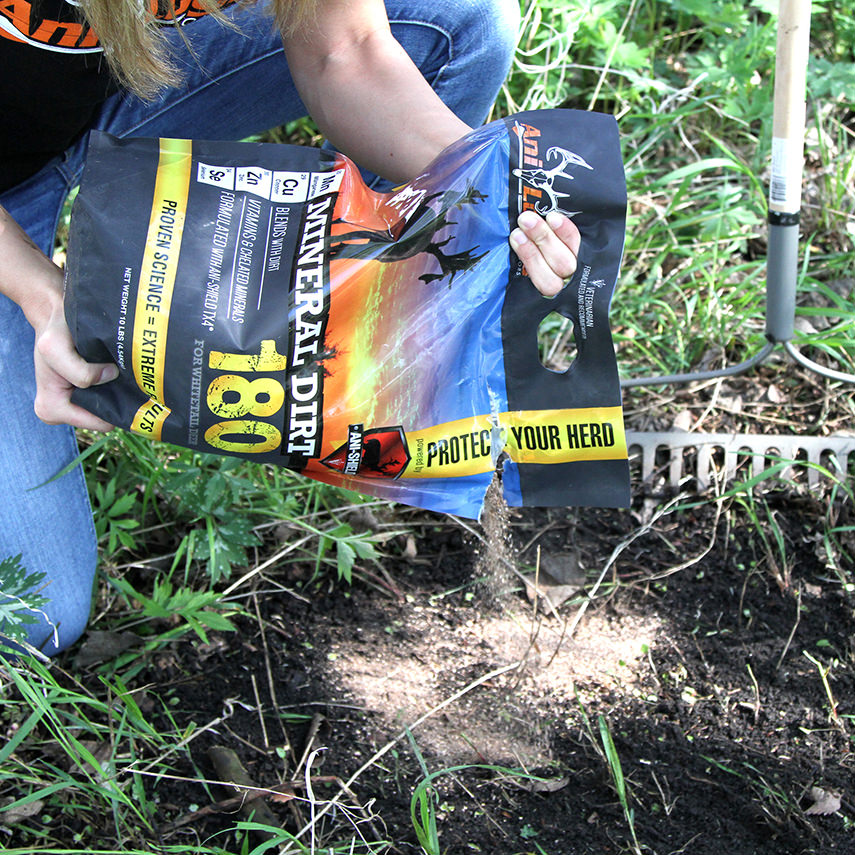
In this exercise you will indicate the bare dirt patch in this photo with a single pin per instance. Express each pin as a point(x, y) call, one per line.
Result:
point(708, 679)
point(713, 645)
point(402, 672)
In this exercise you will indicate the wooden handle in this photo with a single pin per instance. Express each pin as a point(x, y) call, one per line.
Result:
point(788, 126)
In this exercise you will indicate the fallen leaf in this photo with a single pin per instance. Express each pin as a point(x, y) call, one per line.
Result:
point(282, 797)
point(103, 646)
point(550, 593)
point(683, 420)
point(545, 785)
point(21, 812)
point(804, 326)
point(825, 802)
point(562, 568)
point(775, 395)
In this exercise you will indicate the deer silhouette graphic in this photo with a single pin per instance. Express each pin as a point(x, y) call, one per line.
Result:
point(413, 235)
point(544, 179)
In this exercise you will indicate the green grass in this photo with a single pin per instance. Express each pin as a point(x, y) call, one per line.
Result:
point(183, 535)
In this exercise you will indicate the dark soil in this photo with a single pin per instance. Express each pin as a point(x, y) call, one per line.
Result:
point(713, 644)
point(695, 653)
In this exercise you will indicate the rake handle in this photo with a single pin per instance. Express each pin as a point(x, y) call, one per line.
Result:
point(788, 124)
point(785, 191)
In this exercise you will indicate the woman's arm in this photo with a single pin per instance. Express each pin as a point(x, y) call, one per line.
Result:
point(364, 92)
point(35, 283)
point(371, 102)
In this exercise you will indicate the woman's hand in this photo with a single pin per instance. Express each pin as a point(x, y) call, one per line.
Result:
point(34, 282)
point(59, 369)
point(548, 248)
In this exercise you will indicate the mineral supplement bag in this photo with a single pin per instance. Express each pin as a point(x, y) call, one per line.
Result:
point(262, 301)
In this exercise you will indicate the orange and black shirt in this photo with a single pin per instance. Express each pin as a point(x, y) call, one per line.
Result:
point(53, 77)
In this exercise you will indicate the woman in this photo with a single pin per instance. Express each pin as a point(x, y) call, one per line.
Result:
point(390, 85)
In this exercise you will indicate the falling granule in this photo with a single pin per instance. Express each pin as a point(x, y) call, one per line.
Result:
point(496, 562)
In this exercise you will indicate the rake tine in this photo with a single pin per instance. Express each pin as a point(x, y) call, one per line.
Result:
point(815, 458)
point(648, 457)
point(704, 466)
point(841, 463)
point(731, 461)
point(675, 466)
point(753, 449)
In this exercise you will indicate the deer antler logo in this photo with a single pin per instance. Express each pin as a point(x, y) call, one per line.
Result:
point(544, 179)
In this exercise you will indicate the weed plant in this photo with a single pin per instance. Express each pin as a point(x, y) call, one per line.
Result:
point(183, 534)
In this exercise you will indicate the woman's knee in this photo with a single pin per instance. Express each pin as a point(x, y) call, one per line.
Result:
point(63, 628)
point(463, 48)
point(56, 622)
point(486, 29)
point(47, 521)
point(500, 24)
point(60, 598)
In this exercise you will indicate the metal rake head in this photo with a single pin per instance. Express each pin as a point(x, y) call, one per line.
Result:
point(718, 457)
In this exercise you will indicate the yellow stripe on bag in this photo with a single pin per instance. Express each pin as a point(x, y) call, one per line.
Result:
point(454, 449)
point(564, 436)
point(157, 279)
point(464, 447)
point(149, 419)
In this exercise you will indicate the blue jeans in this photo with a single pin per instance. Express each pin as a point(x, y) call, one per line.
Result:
point(237, 85)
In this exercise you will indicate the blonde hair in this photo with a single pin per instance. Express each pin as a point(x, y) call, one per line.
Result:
point(135, 46)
